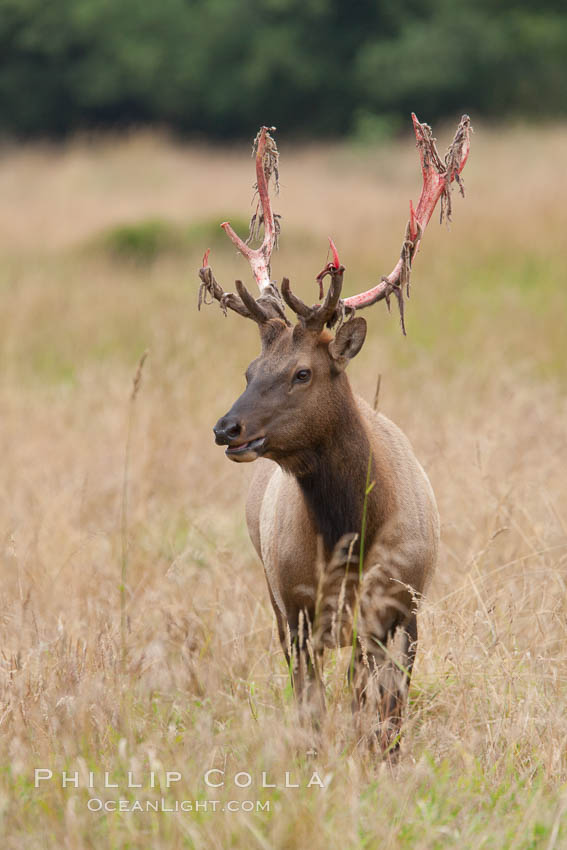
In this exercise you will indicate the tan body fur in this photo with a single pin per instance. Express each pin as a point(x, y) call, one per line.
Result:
point(284, 533)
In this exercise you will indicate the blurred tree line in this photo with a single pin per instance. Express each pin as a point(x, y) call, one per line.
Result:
point(312, 67)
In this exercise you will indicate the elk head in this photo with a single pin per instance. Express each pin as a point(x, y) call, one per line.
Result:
point(294, 386)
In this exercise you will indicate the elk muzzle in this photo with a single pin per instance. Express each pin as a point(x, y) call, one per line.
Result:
point(229, 431)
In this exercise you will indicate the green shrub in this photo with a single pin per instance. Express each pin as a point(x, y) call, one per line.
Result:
point(144, 241)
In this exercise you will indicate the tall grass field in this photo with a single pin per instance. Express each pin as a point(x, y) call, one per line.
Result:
point(137, 642)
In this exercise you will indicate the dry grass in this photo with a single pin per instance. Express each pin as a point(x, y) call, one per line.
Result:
point(479, 386)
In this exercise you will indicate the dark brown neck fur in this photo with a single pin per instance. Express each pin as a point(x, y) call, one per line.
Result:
point(332, 476)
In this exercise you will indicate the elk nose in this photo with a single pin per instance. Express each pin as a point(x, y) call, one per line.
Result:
point(226, 430)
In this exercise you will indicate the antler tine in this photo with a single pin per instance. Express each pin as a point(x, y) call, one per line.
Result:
point(266, 165)
point(315, 318)
point(253, 307)
point(326, 313)
point(293, 302)
point(329, 306)
point(211, 289)
point(267, 307)
point(437, 179)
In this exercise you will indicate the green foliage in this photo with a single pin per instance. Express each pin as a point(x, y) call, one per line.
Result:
point(141, 242)
point(372, 129)
point(221, 67)
point(471, 57)
point(144, 241)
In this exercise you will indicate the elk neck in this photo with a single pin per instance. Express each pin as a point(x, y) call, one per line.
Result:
point(333, 472)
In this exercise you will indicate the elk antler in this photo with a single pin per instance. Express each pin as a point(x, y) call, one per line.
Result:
point(211, 289)
point(315, 318)
point(266, 165)
point(261, 310)
point(437, 179)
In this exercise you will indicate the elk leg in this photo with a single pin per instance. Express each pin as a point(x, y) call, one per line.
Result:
point(305, 666)
point(304, 663)
point(400, 677)
point(409, 645)
point(281, 624)
point(381, 683)
point(307, 682)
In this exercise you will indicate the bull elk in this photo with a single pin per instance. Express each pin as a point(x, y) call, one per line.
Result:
point(332, 473)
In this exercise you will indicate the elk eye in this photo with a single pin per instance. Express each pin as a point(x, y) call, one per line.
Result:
point(302, 376)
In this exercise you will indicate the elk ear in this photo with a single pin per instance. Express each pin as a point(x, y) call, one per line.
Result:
point(348, 342)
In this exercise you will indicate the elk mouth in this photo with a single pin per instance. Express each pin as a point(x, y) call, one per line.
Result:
point(244, 452)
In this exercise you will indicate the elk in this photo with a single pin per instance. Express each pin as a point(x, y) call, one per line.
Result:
point(332, 474)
